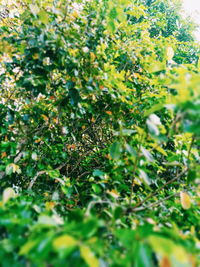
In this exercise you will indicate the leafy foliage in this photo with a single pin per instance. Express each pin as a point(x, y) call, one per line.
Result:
point(99, 134)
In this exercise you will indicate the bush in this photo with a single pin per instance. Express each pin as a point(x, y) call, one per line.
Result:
point(100, 134)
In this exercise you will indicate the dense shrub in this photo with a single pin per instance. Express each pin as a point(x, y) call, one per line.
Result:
point(99, 134)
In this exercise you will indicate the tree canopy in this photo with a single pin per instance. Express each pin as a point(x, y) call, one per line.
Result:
point(99, 134)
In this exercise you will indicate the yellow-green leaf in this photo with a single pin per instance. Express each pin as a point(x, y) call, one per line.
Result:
point(185, 200)
point(166, 247)
point(158, 148)
point(44, 17)
point(12, 168)
point(89, 256)
point(27, 247)
point(64, 241)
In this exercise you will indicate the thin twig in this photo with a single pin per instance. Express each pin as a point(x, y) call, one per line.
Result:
point(134, 171)
point(161, 200)
point(92, 203)
point(159, 189)
point(156, 203)
point(35, 178)
point(132, 179)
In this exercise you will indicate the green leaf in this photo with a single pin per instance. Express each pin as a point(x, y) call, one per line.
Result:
point(96, 188)
point(156, 66)
point(25, 249)
point(128, 132)
point(130, 150)
point(143, 256)
point(54, 173)
point(153, 109)
point(191, 175)
point(98, 173)
point(9, 169)
point(74, 96)
point(115, 150)
point(113, 13)
point(111, 26)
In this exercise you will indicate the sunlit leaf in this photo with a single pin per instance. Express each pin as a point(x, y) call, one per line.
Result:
point(12, 168)
point(64, 241)
point(34, 156)
point(147, 154)
point(89, 256)
point(169, 53)
point(44, 16)
point(8, 193)
point(185, 200)
point(166, 247)
point(49, 220)
point(34, 9)
point(25, 249)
